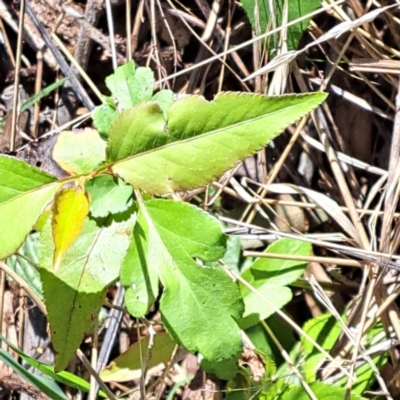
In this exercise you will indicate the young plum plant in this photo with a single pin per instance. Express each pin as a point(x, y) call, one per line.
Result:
point(109, 220)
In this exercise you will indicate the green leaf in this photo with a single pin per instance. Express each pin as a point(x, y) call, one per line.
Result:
point(43, 93)
point(172, 235)
point(280, 272)
point(79, 285)
point(321, 391)
point(233, 253)
point(365, 375)
point(193, 295)
point(139, 272)
point(196, 297)
point(265, 344)
point(257, 310)
point(164, 98)
point(136, 130)
point(17, 177)
point(45, 385)
point(109, 195)
point(224, 369)
point(188, 228)
point(118, 84)
point(24, 263)
point(195, 232)
point(177, 385)
point(324, 329)
point(110, 101)
point(199, 133)
point(131, 87)
point(141, 86)
point(261, 341)
point(79, 151)
point(103, 117)
point(19, 215)
point(296, 9)
point(128, 366)
point(66, 378)
point(270, 277)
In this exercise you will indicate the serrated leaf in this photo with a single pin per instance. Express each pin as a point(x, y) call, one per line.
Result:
point(141, 86)
point(128, 366)
point(270, 277)
point(108, 195)
point(193, 295)
point(131, 87)
point(189, 228)
point(207, 138)
point(19, 215)
point(90, 264)
point(79, 151)
point(195, 233)
point(17, 177)
point(118, 85)
point(103, 117)
point(296, 9)
point(136, 130)
point(69, 212)
point(196, 297)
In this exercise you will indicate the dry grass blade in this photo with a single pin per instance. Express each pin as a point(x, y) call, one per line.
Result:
point(327, 204)
point(334, 33)
point(248, 43)
point(379, 66)
point(15, 110)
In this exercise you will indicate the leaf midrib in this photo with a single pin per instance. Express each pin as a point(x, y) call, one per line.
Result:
point(202, 135)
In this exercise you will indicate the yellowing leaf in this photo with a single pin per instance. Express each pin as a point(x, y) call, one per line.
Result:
point(70, 210)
